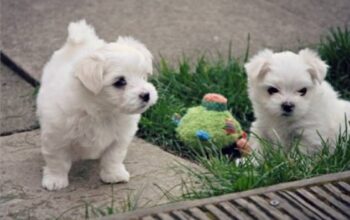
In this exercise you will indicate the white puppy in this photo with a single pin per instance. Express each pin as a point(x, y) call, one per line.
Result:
point(291, 100)
point(90, 100)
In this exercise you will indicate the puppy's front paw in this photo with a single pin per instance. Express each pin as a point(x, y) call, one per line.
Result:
point(116, 175)
point(54, 182)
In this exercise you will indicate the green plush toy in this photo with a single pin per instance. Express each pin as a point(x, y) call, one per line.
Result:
point(211, 124)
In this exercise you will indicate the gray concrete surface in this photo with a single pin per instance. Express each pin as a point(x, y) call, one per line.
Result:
point(21, 195)
point(17, 103)
point(32, 30)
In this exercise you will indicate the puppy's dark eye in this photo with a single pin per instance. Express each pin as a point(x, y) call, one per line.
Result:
point(272, 90)
point(121, 82)
point(303, 91)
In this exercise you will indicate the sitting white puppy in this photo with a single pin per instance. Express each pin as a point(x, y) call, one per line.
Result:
point(89, 104)
point(291, 100)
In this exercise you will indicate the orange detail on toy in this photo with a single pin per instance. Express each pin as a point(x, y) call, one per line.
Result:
point(241, 143)
point(243, 146)
point(214, 97)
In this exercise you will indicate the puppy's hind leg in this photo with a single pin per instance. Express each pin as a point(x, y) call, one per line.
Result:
point(58, 163)
point(112, 168)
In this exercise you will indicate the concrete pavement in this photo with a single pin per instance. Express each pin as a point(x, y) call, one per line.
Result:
point(32, 30)
point(22, 197)
point(17, 103)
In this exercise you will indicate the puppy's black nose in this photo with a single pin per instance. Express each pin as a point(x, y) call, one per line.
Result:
point(287, 107)
point(144, 96)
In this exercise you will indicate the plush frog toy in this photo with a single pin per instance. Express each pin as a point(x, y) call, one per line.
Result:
point(211, 124)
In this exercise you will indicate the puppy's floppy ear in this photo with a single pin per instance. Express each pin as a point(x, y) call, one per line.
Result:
point(90, 72)
point(258, 66)
point(317, 67)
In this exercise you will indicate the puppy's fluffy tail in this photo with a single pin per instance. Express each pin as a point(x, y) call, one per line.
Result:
point(80, 32)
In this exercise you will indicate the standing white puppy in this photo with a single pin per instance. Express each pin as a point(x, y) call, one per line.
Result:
point(291, 100)
point(89, 104)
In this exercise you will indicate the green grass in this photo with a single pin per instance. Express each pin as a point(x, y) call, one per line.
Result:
point(335, 49)
point(224, 176)
point(185, 85)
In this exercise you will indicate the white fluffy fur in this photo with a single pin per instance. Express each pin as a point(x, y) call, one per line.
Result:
point(319, 112)
point(82, 114)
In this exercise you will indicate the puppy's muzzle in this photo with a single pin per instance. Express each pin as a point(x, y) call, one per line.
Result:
point(288, 107)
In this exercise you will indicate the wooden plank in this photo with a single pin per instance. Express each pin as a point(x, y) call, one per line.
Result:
point(311, 212)
point(272, 210)
point(252, 209)
point(345, 186)
point(336, 192)
point(332, 200)
point(236, 213)
point(288, 207)
point(329, 210)
point(217, 212)
point(182, 215)
point(308, 205)
point(148, 218)
point(165, 216)
point(196, 212)
point(188, 204)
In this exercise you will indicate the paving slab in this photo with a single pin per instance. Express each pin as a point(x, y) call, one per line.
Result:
point(17, 103)
point(22, 197)
point(32, 30)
